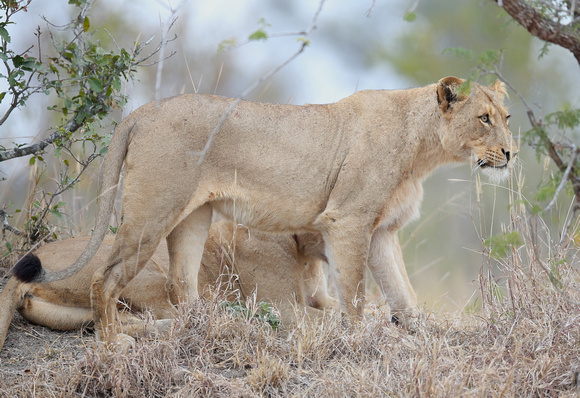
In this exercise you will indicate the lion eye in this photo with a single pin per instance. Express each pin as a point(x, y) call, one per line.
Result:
point(507, 119)
point(485, 119)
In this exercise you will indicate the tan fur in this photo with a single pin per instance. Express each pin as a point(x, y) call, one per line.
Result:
point(350, 171)
point(281, 269)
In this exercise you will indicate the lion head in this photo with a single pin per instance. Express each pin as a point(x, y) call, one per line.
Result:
point(477, 126)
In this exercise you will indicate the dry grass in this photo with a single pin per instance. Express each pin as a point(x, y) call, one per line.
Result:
point(523, 343)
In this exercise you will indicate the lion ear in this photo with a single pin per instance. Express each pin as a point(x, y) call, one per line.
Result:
point(448, 92)
point(499, 87)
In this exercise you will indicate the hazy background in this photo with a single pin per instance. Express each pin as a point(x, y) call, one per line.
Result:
point(351, 49)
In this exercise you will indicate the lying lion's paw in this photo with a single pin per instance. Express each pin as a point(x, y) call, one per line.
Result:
point(163, 325)
point(123, 342)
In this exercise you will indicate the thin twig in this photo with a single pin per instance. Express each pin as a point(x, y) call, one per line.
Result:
point(371, 8)
point(164, 32)
point(496, 72)
point(564, 178)
point(254, 85)
point(241, 98)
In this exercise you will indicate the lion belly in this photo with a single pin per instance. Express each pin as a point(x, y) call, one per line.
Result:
point(266, 215)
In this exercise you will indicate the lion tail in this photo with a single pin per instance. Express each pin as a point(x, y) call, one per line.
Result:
point(112, 170)
point(8, 302)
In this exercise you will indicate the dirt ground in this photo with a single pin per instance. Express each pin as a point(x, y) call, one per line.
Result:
point(29, 345)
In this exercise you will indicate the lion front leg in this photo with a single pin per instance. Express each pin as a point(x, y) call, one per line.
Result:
point(388, 269)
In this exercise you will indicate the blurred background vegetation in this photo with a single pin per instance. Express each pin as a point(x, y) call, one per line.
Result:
point(356, 45)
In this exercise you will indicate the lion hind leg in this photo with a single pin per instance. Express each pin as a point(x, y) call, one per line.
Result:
point(185, 243)
point(130, 254)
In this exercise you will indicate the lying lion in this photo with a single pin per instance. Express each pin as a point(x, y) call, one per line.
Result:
point(351, 171)
point(282, 269)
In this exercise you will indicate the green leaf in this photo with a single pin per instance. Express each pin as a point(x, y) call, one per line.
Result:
point(95, 84)
point(55, 212)
point(502, 243)
point(116, 84)
point(465, 87)
point(410, 17)
point(566, 118)
point(2, 95)
point(303, 40)
point(544, 50)
point(4, 34)
point(546, 191)
point(258, 35)
point(32, 161)
point(86, 24)
point(489, 57)
point(226, 45)
point(460, 52)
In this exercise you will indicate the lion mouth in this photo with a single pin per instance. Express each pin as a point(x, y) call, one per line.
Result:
point(495, 172)
point(483, 164)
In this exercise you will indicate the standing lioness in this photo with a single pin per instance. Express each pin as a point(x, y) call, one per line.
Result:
point(351, 171)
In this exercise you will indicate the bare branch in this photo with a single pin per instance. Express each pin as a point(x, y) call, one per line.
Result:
point(71, 126)
point(564, 178)
point(8, 227)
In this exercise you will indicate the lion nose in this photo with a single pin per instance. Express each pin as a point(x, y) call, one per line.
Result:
point(507, 154)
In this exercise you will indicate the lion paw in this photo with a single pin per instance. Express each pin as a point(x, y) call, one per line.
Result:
point(163, 325)
point(408, 319)
point(124, 342)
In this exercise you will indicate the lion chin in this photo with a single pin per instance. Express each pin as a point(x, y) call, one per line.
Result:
point(496, 175)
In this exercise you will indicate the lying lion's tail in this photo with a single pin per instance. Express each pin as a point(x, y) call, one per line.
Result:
point(113, 164)
point(8, 302)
